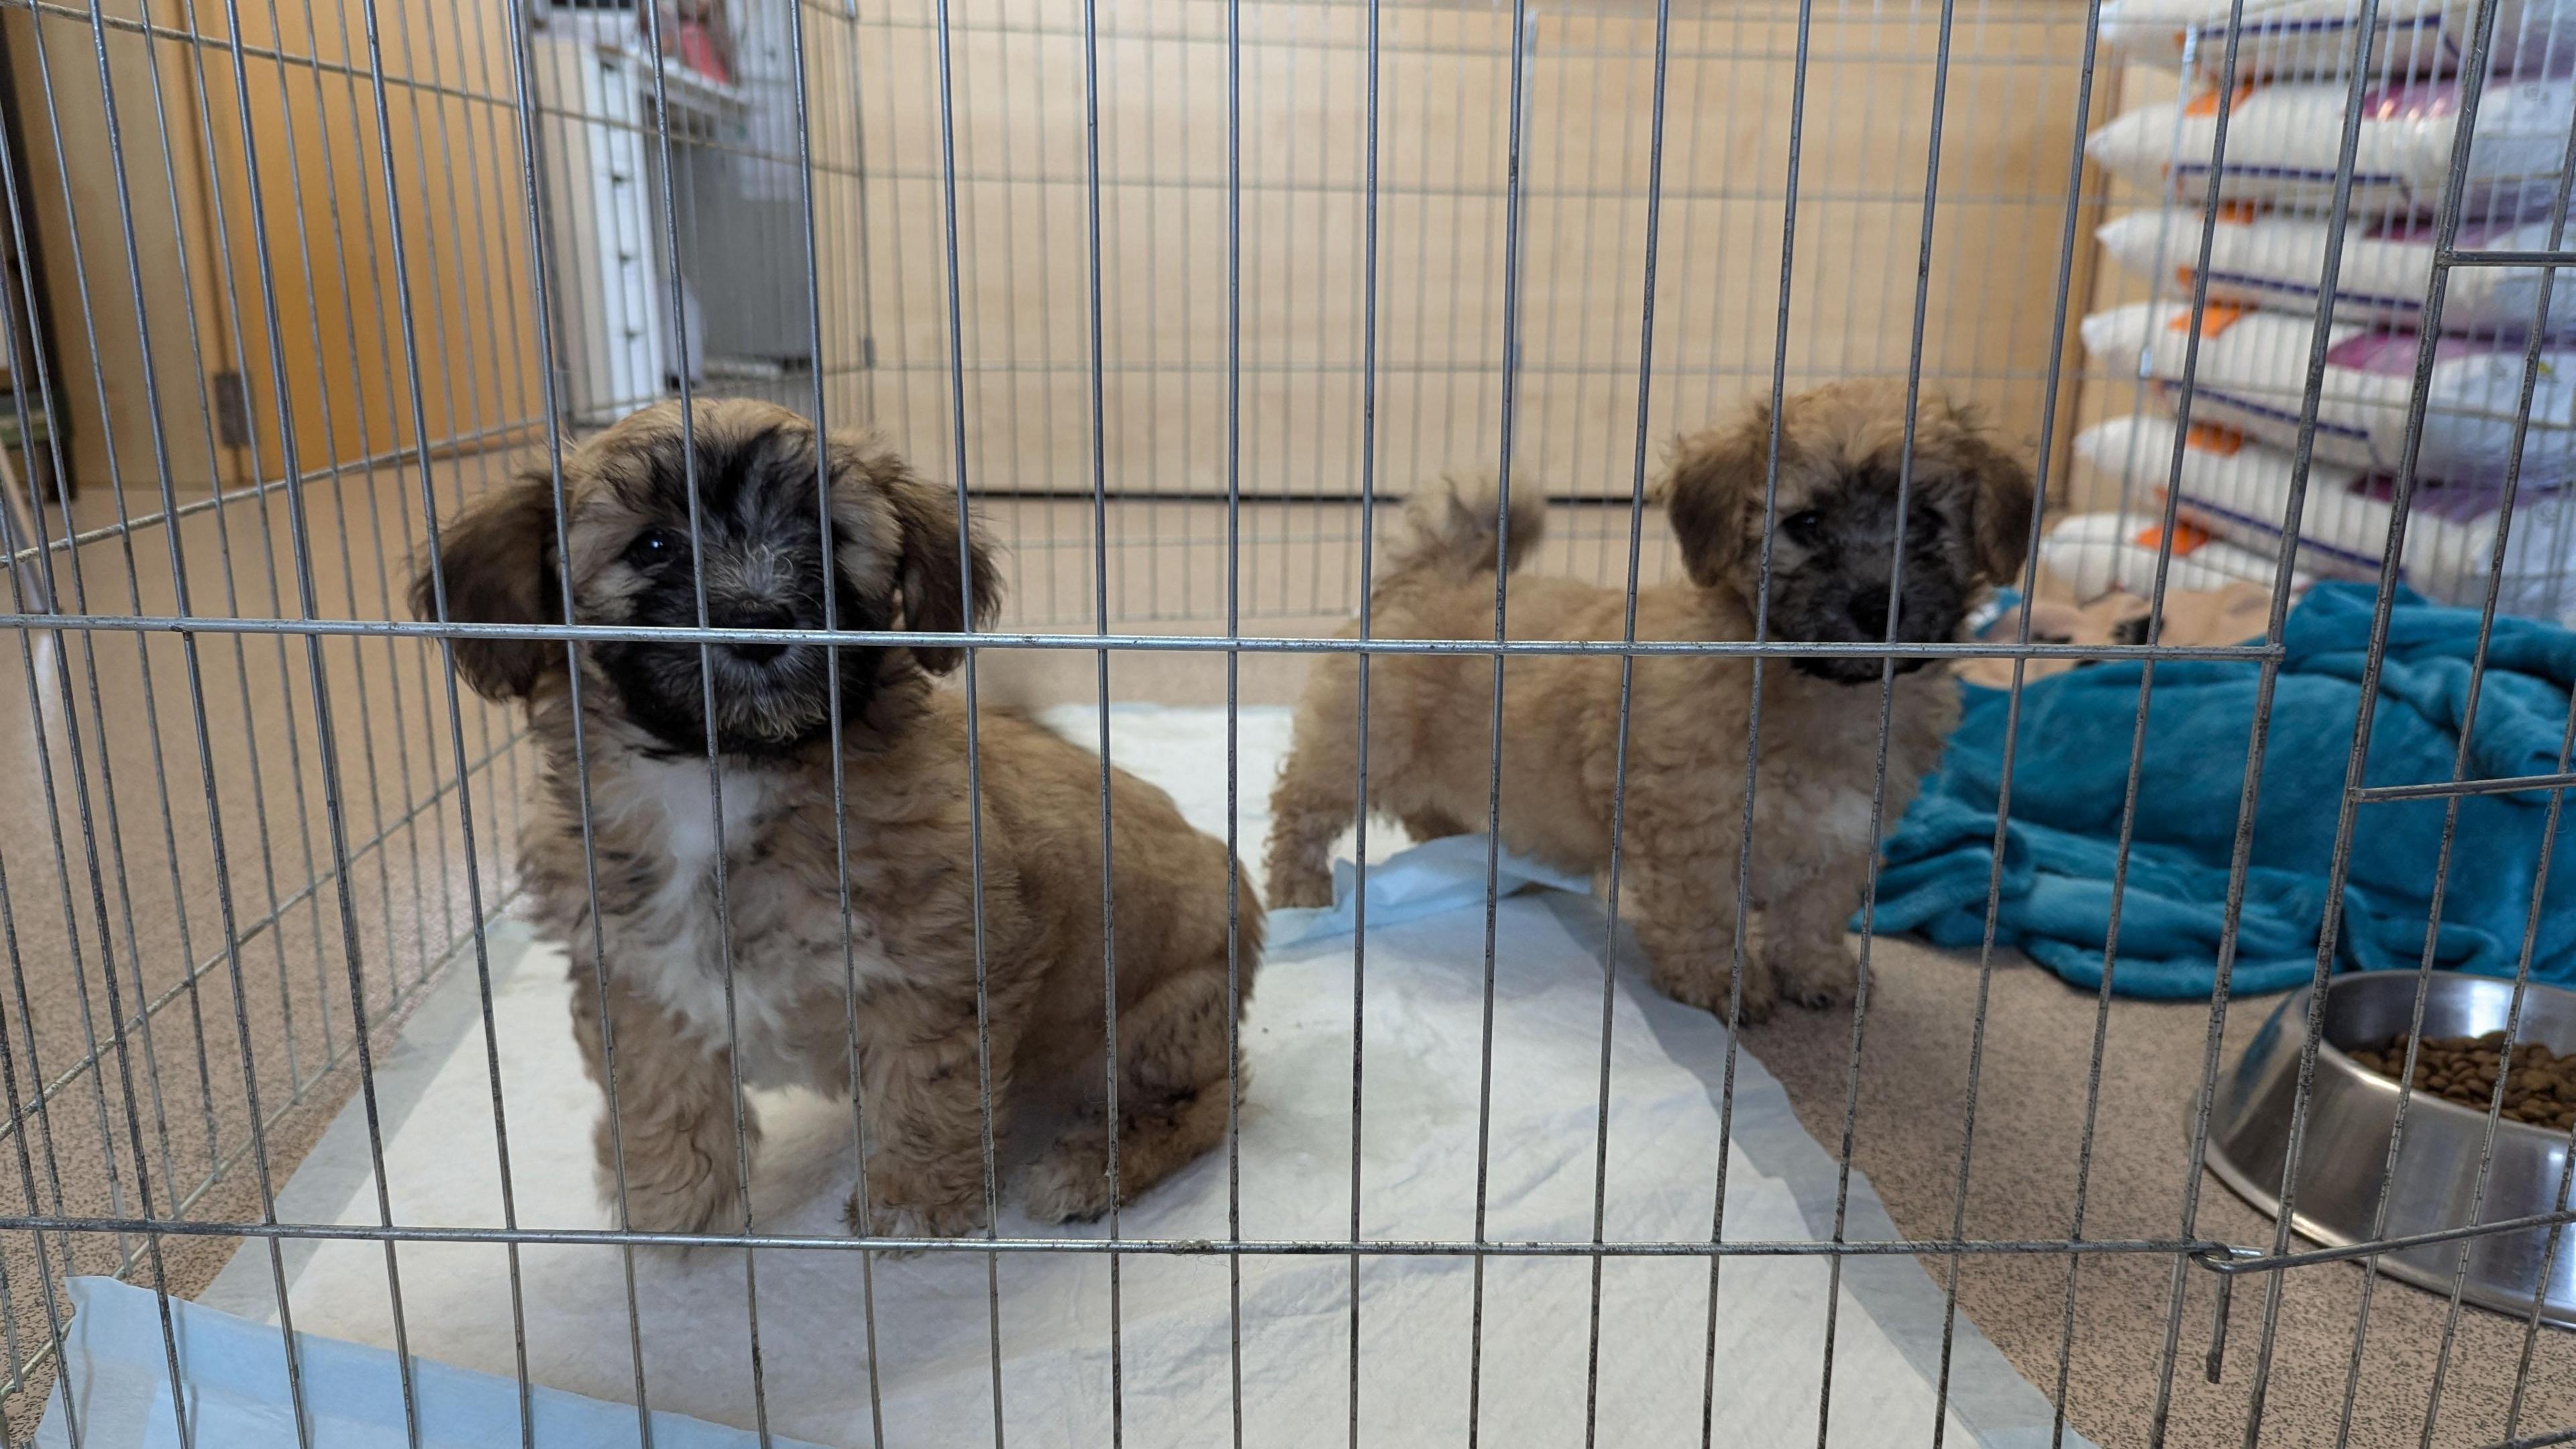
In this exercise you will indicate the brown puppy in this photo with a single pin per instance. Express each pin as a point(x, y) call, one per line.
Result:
point(1430, 717)
point(912, 943)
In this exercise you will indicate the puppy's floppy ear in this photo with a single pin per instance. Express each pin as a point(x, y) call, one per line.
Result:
point(1713, 496)
point(497, 560)
point(2000, 507)
point(933, 575)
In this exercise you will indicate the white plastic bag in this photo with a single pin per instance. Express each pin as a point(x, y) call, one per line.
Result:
point(2314, 37)
point(2283, 141)
point(2277, 259)
point(2253, 365)
point(2239, 490)
point(2094, 553)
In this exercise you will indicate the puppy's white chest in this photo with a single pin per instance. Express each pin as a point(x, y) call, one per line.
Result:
point(681, 955)
point(675, 796)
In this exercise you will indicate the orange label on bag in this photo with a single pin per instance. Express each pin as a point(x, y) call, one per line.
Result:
point(2185, 538)
point(2206, 439)
point(2206, 103)
point(2217, 317)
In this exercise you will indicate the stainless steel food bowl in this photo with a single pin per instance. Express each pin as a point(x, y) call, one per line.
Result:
point(2351, 1110)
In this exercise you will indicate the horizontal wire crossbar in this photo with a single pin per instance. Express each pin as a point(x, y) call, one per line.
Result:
point(454, 446)
point(1244, 1247)
point(1094, 643)
point(2233, 1262)
point(2491, 257)
point(2439, 789)
point(2538, 1441)
point(2209, 1253)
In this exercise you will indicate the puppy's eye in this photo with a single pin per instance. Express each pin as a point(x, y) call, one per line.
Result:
point(1804, 527)
point(1928, 525)
point(654, 546)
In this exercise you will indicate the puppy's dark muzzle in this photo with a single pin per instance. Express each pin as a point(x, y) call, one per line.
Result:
point(1867, 668)
point(756, 653)
point(1852, 668)
point(754, 617)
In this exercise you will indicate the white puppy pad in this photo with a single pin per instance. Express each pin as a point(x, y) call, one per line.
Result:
point(1165, 1367)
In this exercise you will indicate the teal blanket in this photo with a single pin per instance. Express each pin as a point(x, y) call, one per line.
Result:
point(2071, 770)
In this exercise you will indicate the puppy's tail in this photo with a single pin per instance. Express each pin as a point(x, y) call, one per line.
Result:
point(1451, 527)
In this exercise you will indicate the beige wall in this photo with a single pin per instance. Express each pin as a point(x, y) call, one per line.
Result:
point(1445, 81)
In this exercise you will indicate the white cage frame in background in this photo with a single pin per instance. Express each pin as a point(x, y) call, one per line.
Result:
point(1184, 294)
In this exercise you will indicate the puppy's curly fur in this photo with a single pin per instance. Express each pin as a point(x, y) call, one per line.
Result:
point(1430, 716)
point(911, 945)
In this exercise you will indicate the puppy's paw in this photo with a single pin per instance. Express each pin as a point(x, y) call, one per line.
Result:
point(1816, 975)
point(907, 1203)
point(1070, 1183)
point(674, 1181)
point(1296, 887)
point(1710, 987)
point(706, 1203)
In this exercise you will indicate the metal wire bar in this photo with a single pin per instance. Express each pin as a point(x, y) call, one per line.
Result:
point(719, 873)
point(2551, 257)
point(833, 717)
point(217, 501)
point(540, 253)
point(2475, 696)
point(1169, 643)
point(1886, 714)
point(2012, 732)
point(1099, 420)
point(2539, 1441)
point(258, 1120)
point(317, 677)
point(330, 441)
point(2227, 1264)
point(1619, 762)
point(181, 593)
point(2267, 681)
point(114, 859)
point(93, 866)
point(2472, 85)
point(1753, 718)
point(27, 1174)
point(1523, 24)
point(403, 307)
point(1368, 454)
point(2128, 815)
point(2455, 789)
point(1227, 1247)
point(974, 753)
point(1233, 709)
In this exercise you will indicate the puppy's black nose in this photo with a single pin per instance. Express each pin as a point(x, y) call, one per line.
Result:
point(754, 618)
point(1869, 611)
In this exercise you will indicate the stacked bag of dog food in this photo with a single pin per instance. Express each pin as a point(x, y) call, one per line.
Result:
point(2267, 249)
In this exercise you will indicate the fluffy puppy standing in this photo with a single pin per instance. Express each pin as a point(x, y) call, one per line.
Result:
point(911, 944)
point(1430, 717)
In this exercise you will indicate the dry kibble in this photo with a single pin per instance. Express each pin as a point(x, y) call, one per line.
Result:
point(2540, 1085)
